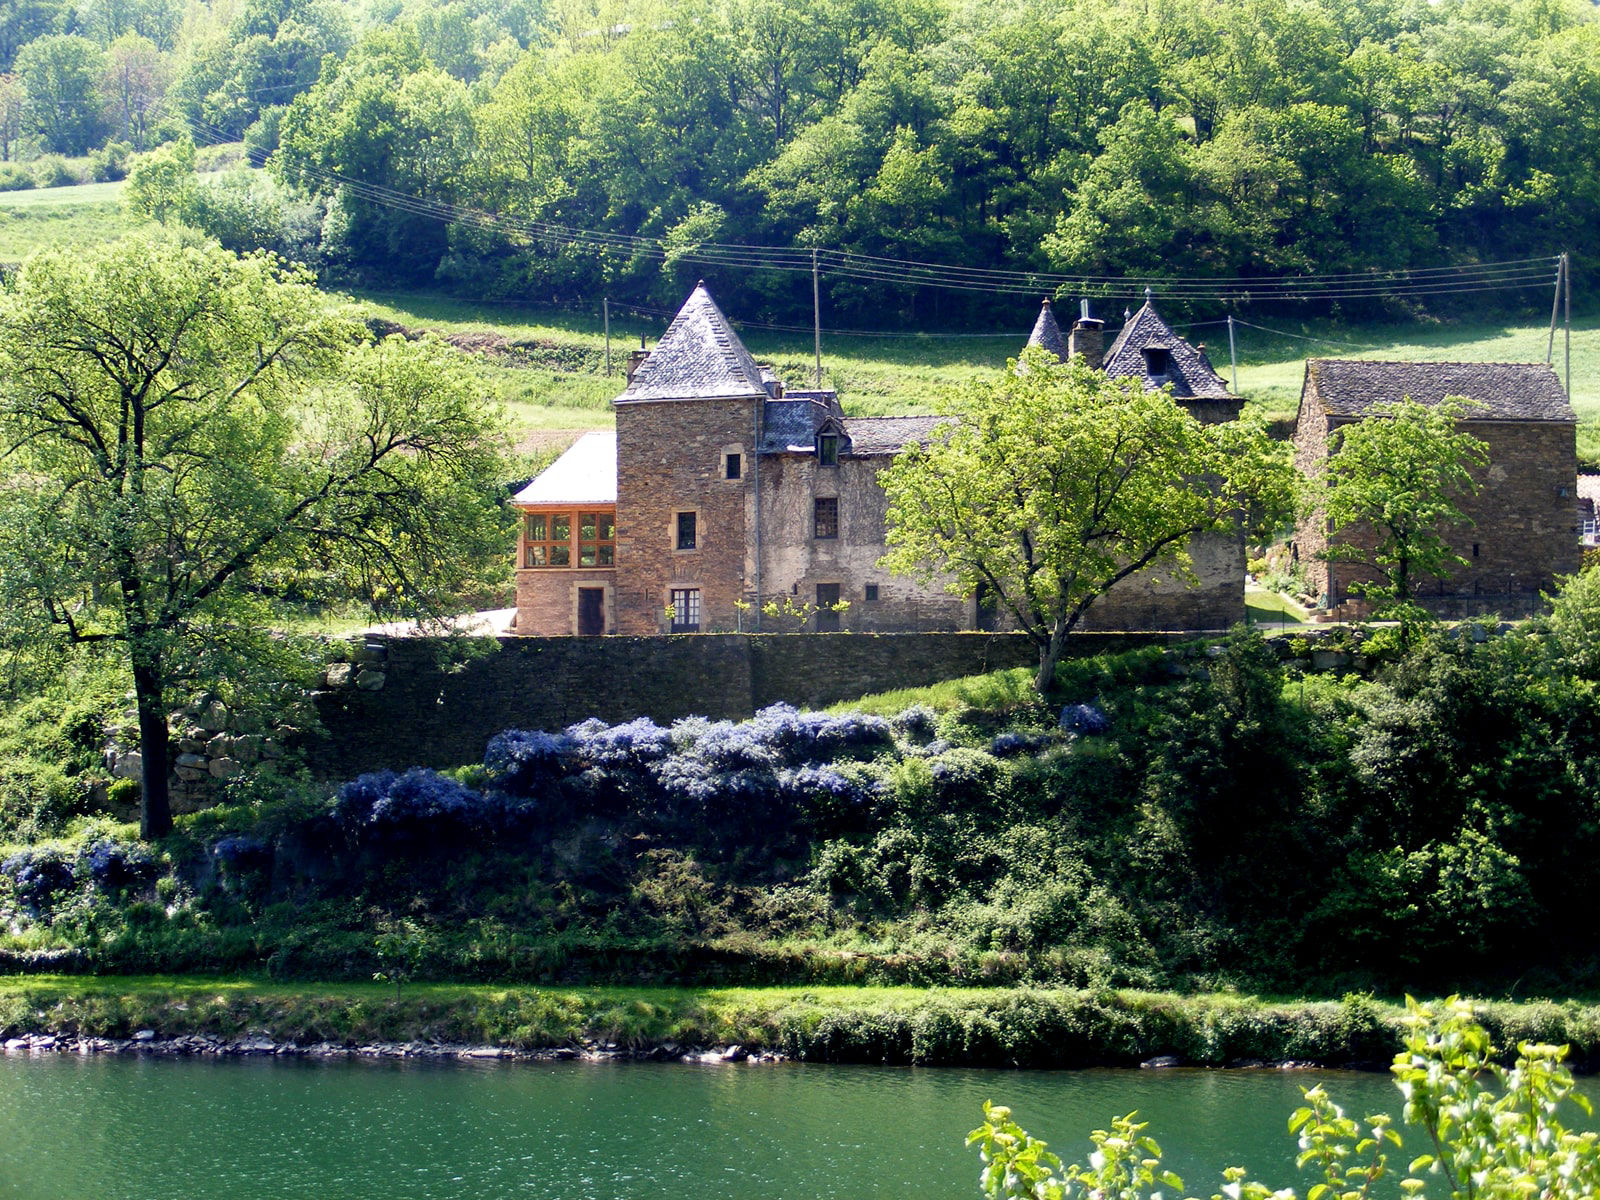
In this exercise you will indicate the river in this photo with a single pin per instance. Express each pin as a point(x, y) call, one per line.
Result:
point(127, 1128)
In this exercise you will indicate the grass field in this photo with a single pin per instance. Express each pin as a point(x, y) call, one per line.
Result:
point(71, 216)
point(884, 375)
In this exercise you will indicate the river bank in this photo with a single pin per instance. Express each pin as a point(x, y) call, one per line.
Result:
point(992, 1027)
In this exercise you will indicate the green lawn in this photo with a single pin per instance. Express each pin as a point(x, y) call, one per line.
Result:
point(85, 215)
point(884, 375)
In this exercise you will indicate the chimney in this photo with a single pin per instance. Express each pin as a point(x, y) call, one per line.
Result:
point(1087, 337)
point(635, 361)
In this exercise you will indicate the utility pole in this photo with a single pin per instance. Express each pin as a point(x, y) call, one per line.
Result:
point(1233, 355)
point(606, 301)
point(1555, 310)
point(816, 314)
point(1566, 273)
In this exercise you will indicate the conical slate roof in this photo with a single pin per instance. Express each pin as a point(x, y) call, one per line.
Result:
point(1189, 371)
point(1047, 333)
point(698, 358)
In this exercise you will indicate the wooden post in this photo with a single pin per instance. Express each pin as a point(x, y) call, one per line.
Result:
point(1233, 355)
point(607, 303)
point(816, 314)
point(1566, 274)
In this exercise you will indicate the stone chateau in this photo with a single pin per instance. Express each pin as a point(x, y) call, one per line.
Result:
point(723, 492)
point(1525, 526)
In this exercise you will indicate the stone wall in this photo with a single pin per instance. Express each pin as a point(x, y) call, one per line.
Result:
point(671, 459)
point(1522, 530)
point(795, 561)
point(430, 712)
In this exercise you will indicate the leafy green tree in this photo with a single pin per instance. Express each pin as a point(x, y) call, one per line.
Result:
point(134, 84)
point(21, 21)
point(1055, 483)
point(162, 183)
point(59, 75)
point(1492, 1133)
point(186, 433)
point(1392, 493)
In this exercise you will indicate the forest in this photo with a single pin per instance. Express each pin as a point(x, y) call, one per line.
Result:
point(556, 153)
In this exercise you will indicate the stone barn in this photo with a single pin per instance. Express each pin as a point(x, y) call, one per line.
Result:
point(1524, 526)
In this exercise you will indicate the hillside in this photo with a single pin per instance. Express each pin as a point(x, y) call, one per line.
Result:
point(1212, 817)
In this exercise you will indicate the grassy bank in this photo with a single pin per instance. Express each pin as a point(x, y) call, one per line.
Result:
point(965, 1026)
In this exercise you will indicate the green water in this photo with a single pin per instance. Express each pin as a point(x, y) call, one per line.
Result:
point(130, 1129)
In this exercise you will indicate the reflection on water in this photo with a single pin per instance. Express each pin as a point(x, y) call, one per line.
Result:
point(133, 1129)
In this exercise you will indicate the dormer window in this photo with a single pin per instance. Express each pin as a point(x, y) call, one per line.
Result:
point(1157, 361)
point(828, 449)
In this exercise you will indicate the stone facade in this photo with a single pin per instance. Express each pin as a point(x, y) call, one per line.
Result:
point(1523, 529)
point(672, 460)
point(734, 497)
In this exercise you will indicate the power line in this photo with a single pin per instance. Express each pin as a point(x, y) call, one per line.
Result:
point(1418, 282)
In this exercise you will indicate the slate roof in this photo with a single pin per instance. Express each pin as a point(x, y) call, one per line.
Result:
point(1349, 387)
point(792, 423)
point(585, 474)
point(698, 358)
point(1047, 333)
point(874, 436)
point(1190, 371)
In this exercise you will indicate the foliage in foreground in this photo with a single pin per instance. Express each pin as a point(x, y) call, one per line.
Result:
point(1492, 1133)
point(189, 435)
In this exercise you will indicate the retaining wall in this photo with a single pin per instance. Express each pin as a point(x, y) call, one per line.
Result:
point(434, 713)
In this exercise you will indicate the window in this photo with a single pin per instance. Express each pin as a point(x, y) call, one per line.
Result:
point(872, 593)
point(1157, 360)
point(549, 540)
point(686, 530)
point(732, 465)
point(685, 610)
point(1474, 549)
point(827, 612)
point(825, 518)
point(828, 450)
point(597, 539)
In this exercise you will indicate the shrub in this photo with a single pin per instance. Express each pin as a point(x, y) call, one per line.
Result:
point(114, 865)
point(527, 763)
point(916, 724)
point(110, 162)
point(37, 875)
point(14, 177)
point(53, 171)
point(388, 806)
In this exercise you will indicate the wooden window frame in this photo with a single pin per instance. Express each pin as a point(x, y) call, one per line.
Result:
point(825, 529)
point(567, 553)
point(693, 602)
point(675, 531)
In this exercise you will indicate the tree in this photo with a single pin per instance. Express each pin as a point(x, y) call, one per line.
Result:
point(1492, 1133)
point(60, 75)
point(185, 434)
point(134, 82)
point(1055, 483)
point(162, 183)
point(1392, 490)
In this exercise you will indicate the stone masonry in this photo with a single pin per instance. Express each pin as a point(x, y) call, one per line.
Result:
point(1522, 532)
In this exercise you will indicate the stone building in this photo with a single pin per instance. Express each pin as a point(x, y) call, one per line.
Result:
point(1524, 524)
point(722, 493)
point(1148, 348)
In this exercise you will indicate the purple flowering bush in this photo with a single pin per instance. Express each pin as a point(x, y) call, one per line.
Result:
point(37, 875)
point(111, 864)
point(527, 763)
point(386, 806)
